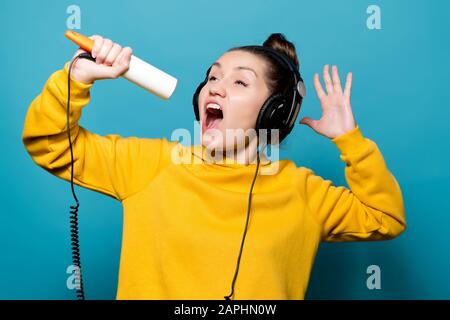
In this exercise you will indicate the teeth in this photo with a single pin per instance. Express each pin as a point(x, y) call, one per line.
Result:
point(214, 106)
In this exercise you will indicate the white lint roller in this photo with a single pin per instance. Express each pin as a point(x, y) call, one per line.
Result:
point(140, 72)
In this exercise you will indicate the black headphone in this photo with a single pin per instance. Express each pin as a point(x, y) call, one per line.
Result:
point(277, 112)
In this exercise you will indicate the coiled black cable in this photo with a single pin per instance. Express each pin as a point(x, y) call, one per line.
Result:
point(74, 238)
point(246, 224)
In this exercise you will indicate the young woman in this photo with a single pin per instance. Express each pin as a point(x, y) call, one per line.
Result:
point(184, 220)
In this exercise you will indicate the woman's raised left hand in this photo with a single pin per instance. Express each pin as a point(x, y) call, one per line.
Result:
point(337, 116)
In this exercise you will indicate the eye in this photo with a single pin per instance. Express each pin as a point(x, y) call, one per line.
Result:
point(237, 81)
point(243, 83)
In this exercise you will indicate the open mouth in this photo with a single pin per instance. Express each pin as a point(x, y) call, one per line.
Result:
point(213, 116)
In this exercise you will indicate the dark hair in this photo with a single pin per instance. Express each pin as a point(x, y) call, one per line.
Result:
point(278, 77)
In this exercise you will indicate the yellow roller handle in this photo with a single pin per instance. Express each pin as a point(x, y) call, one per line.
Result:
point(83, 41)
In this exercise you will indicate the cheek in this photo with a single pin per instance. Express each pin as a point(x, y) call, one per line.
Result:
point(244, 111)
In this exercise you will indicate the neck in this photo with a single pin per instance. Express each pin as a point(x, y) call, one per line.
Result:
point(244, 156)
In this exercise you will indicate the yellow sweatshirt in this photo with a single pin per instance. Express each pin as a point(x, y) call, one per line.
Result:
point(183, 222)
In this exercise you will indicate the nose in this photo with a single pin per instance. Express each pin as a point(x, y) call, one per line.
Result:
point(216, 88)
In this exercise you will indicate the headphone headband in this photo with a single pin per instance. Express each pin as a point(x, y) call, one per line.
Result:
point(280, 57)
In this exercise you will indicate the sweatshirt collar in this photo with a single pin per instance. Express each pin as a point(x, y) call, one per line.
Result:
point(203, 156)
point(230, 175)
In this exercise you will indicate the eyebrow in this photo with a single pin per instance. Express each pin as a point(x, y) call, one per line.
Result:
point(236, 68)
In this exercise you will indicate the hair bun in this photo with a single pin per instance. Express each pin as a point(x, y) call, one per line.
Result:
point(279, 42)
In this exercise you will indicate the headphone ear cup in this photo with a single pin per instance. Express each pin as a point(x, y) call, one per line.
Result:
point(271, 114)
point(195, 101)
point(197, 94)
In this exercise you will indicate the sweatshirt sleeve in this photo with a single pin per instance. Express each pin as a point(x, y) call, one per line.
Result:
point(372, 209)
point(111, 164)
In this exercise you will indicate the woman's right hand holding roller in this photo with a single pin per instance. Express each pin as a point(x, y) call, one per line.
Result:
point(111, 61)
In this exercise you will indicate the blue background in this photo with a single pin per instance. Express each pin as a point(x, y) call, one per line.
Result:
point(400, 100)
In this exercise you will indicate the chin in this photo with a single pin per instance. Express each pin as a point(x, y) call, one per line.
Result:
point(212, 142)
point(212, 138)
